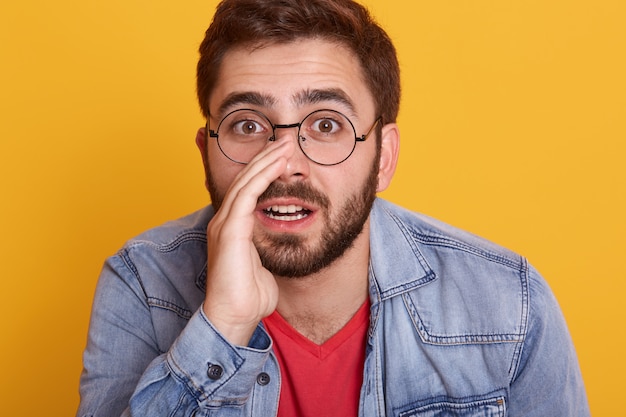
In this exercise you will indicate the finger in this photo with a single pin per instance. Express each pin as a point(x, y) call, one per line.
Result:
point(241, 197)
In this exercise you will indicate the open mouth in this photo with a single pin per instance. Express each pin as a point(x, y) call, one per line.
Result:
point(288, 213)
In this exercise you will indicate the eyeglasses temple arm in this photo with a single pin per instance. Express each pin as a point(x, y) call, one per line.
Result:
point(362, 138)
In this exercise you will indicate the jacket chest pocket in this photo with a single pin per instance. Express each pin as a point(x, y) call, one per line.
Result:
point(493, 407)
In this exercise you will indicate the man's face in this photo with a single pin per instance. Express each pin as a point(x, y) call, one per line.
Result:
point(311, 214)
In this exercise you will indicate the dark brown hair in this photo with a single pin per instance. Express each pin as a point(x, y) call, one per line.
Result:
point(257, 23)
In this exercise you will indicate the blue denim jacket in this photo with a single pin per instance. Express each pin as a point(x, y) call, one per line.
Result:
point(459, 327)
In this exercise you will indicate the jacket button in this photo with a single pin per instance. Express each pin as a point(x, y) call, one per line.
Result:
point(263, 379)
point(215, 372)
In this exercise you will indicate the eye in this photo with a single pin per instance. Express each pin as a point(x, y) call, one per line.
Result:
point(325, 126)
point(247, 127)
point(245, 123)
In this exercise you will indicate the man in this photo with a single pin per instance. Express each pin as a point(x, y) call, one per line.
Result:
point(298, 293)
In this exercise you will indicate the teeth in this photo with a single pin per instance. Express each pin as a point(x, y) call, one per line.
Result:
point(286, 213)
point(298, 216)
point(286, 209)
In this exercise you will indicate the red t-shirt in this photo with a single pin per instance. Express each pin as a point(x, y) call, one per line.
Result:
point(320, 380)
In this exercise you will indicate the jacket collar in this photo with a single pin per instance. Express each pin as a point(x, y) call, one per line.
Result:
point(396, 263)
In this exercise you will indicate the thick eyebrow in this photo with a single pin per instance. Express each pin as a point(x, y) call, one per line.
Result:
point(300, 99)
point(245, 98)
point(316, 96)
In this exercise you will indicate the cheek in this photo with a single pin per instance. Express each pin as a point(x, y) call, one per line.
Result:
point(358, 169)
point(343, 182)
point(222, 176)
point(221, 172)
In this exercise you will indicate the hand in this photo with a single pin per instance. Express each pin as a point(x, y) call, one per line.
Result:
point(240, 291)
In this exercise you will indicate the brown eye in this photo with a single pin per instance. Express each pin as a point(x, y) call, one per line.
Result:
point(248, 128)
point(325, 126)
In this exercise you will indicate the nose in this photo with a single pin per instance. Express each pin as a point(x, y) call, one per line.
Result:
point(297, 162)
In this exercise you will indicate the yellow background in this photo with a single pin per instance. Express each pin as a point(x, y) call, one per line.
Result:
point(513, 127)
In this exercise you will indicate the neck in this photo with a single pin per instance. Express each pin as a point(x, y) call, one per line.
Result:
point(319, 305)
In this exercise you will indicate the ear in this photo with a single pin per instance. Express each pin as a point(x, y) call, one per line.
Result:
point(389, 150)
point(201, 143)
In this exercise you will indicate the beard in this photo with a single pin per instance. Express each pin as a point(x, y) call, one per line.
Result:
point(290, 256)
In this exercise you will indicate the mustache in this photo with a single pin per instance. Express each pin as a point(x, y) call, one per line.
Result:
point(301, 190)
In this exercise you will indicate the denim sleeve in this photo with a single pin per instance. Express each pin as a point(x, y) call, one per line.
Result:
point(548, 380)
point(126, 374)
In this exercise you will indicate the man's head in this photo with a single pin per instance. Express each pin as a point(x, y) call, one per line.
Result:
point(259, 23)
point(265, 67)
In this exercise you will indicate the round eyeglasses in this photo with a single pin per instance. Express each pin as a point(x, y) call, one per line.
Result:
point(326, 137)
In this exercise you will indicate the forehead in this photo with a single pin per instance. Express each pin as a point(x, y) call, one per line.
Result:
point(282, 76)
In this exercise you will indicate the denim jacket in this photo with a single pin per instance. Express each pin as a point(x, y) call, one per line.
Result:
point(458, 327)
